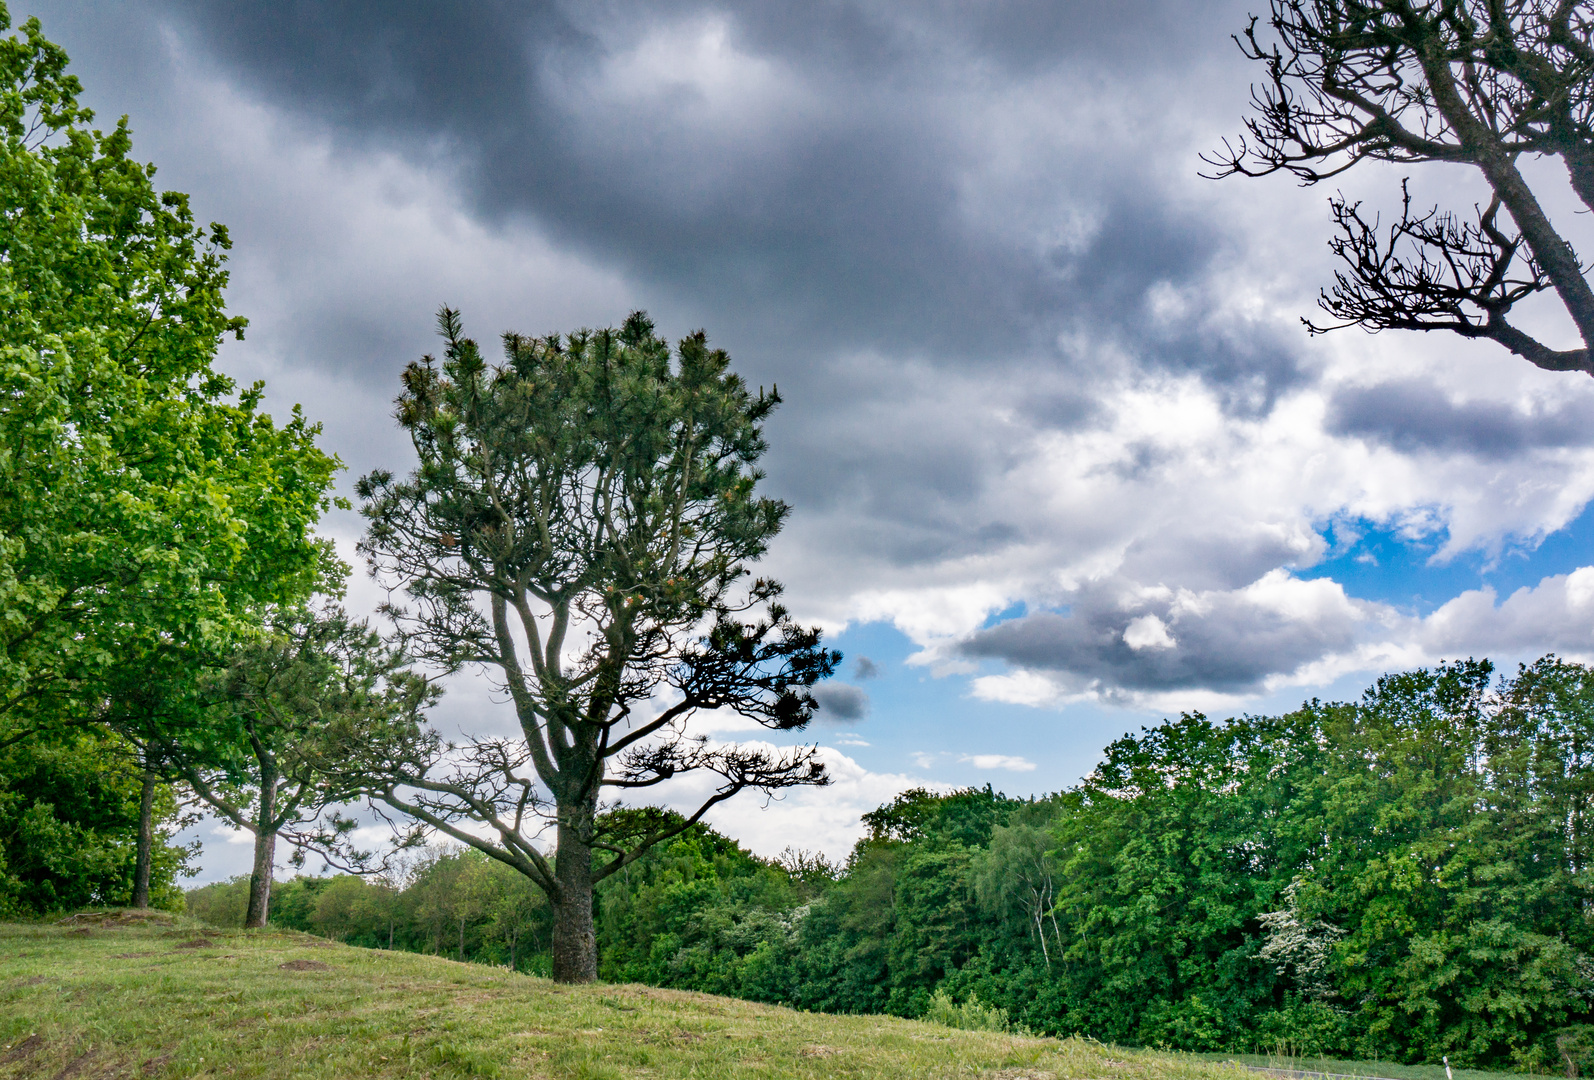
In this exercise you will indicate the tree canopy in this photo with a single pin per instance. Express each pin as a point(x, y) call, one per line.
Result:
point(149, 509)
point(145, 504)
point(258, 742)
point(580, 526)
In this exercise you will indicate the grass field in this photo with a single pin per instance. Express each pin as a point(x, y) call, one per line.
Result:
point(1389, 1070)
point(117, 995)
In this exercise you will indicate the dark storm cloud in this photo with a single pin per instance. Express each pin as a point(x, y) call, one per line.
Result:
point(1206, 560)
point(1417, 416)
point(865, 668)
point(1229, 642)
point(947, 230)
point(840, 703)
point(1022, 34)
point(843, 223)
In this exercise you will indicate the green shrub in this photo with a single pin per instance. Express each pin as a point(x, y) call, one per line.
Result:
point(971, 1015)
point(221, 904)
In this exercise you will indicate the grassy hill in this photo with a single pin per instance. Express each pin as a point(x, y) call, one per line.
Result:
point(127, 994)
point(122, 995)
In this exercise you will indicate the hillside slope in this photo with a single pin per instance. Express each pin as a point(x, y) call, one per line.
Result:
point(128, 996)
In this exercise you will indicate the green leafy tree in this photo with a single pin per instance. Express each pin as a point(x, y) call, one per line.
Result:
point(579, 527)
point(446, 898)
point(691, 913)
point(1016, 873)
point(517, 912)
point(294, 902)
point(69, 819)
point(221, 903)
point(353, 908)
point(266, 756)
point(1450, 850)
point(1166, 860)
point(1480, 83)
point(145, 506)
point(381, 909)
point(140, 501)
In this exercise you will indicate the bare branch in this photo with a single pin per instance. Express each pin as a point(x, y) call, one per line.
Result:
point(1474, 82)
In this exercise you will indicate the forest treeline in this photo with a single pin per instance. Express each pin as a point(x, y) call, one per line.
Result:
point(1402, 877)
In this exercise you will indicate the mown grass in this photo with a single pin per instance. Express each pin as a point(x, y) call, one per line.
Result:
point(117, 995)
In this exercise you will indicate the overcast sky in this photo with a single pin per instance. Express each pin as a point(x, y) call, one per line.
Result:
point(1062, 459)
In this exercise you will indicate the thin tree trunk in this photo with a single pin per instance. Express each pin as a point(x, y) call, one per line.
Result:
point(1040, 932)
point(462, 939)
point(265, 855)
point(146, 842)
point(575, 946)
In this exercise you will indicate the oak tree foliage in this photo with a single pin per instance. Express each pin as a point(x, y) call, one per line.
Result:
point(148, 507)
point(145, 503)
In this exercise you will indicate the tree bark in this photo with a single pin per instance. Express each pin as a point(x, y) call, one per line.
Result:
point(265, 856)
point(146, 842)
point(260, 880)
point(575, 945)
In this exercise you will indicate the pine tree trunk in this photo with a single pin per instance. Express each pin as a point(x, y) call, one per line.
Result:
point(146, 842)
point(575, 946)
point(265, 856)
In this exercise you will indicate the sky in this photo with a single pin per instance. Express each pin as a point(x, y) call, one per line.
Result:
point(1061, 458)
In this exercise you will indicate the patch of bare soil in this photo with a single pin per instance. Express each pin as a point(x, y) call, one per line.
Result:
point(77, 1066)
point(1020, 1074)
point(24, 1049)
point(305, 965)
point(35, 981)
point(127, 917)
point(133, 955)
point(81, 931)
point(197, 943)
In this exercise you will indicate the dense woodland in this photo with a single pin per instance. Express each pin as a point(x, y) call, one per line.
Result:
point(1404, 877)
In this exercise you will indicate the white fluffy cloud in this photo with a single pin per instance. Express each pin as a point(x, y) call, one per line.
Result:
point(1160, 548)
point(1008, 762)
point(1283, 632)
point(815, 819)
